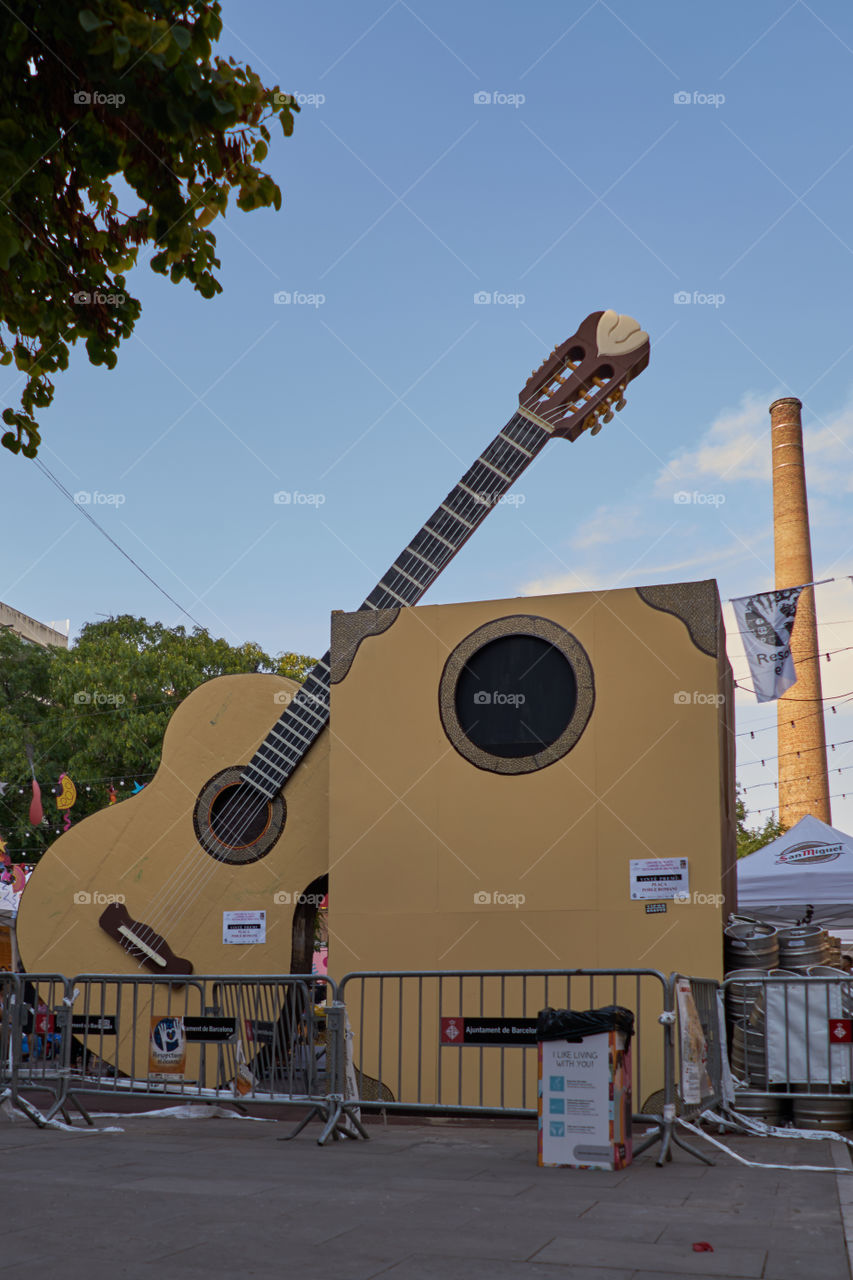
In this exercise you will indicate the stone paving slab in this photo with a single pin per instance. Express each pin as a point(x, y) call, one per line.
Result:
point(210, 1198)
point(665, 1259)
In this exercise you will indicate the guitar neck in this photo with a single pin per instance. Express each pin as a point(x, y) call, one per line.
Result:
point(414, 571)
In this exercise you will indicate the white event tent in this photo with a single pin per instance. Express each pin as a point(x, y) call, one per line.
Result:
point(810, 865)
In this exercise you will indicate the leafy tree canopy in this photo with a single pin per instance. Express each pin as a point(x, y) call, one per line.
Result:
point(98, 712)
point(128, 88)
point(751, 838)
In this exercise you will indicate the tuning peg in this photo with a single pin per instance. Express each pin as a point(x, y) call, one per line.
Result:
point(595, 430)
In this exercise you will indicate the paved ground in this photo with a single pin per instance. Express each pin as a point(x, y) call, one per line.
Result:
point(183, 1199)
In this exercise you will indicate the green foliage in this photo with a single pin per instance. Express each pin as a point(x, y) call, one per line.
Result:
point(99, 709)
point(128, 88)
point(751, 838)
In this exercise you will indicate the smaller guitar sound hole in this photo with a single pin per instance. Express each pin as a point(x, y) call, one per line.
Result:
point(234, 822)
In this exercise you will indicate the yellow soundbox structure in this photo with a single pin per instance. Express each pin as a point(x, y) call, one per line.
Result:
point(535, 783)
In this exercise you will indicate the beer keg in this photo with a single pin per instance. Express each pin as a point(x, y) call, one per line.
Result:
point(751, 944)
point(769, 1107)
point(802, 945)
point(814, 1112)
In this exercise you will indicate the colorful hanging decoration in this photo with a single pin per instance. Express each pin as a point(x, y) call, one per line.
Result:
point(66, 795)
point(137, 787)
point(36, 810)
point(113, 796)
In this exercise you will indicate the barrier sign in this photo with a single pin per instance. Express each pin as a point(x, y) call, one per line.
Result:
point(167, 1050)
point(260, 1032)
point(210, 1030)
point(93, 1024)
point(695, 1081)
point(501, 1031)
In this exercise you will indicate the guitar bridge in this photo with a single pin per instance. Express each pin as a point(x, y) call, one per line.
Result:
point(141, 942)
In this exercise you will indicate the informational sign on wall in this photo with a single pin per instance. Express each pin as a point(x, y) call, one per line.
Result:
point(659, 878)
point(585, 1102)
point(242, 927)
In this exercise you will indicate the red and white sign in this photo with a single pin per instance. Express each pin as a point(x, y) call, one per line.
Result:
point(841, 1030)
point(452, 1030)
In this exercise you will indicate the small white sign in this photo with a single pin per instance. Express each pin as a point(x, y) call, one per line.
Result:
point(243, 927)
point(659, 878)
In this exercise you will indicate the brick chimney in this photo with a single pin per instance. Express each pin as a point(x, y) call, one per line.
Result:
point(803, 780)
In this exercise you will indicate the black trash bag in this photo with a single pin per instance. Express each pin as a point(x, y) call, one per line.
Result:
point(574, 1024)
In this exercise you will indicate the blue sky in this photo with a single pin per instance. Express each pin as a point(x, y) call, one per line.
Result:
point(627, 154)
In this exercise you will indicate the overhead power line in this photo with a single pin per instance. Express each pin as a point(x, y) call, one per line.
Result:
point(66, 493)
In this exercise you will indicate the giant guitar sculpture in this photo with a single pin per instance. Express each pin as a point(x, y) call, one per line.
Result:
point(237, 812)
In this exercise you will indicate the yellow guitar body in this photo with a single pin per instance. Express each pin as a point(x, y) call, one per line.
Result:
point(144, 851)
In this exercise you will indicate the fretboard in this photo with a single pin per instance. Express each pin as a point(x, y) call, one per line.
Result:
point(409, 577)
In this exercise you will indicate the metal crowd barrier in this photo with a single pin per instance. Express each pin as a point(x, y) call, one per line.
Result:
point(273, 1040)
point(791, 1048)
point(698, 1051)
point(448, 1042)
point(9, 995)
point(35, 1010)
point(463, 1041)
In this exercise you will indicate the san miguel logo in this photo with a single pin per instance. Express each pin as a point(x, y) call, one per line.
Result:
point(808, 853)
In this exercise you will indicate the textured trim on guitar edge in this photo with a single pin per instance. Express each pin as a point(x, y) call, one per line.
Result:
point(697, 604)
point(349, 630)
point(523, 625)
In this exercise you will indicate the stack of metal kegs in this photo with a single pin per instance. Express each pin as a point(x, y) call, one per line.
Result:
point(755, 951)
point(751, 954)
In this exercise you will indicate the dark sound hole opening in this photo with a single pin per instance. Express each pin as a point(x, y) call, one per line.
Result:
point(516, 696)
point(239, 816)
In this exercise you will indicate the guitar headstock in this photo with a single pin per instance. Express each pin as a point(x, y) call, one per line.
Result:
point(582, 383)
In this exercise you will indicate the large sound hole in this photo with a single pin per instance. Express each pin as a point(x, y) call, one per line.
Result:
point(234, 822)
point(239, 816)
point(515, 696)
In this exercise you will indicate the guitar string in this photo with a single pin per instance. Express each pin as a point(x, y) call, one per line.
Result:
point(243, 811)
point(186, 886)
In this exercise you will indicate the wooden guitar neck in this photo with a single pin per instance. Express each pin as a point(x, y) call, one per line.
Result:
point(413, 572)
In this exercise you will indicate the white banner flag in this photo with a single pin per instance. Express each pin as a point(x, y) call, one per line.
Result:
point(766, 622)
